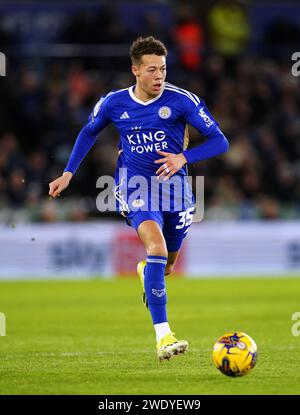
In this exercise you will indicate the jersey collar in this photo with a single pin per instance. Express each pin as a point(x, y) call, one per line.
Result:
point(131, 93)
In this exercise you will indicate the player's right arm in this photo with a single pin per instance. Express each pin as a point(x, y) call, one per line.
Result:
point(84, 142)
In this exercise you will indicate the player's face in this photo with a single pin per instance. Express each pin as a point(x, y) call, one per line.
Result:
point(151, 74)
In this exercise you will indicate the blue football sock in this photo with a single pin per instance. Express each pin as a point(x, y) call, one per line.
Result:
point(155, 288)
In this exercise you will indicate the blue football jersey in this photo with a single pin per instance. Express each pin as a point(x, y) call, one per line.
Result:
point(145, 127)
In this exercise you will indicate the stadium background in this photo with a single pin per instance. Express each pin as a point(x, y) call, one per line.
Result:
point(93, 336)
point(61, 57)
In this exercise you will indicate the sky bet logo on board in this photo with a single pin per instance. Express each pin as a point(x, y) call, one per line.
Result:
point(2, 64)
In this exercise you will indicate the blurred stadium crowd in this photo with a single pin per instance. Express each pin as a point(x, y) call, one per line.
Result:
point(46, 99)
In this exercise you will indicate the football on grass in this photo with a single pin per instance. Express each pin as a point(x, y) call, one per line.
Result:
point(235, 354)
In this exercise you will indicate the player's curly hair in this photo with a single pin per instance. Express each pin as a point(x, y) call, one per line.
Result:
point(146, 46)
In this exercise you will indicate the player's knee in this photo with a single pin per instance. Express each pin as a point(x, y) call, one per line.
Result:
point(157, 248)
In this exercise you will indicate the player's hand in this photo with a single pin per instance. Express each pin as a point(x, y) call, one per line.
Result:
point(171, 164)
point(60, 184)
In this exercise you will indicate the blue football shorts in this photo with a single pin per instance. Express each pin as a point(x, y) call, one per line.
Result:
point(170, 206)
point(174, 225)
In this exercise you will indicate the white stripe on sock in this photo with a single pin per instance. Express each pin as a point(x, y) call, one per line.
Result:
point(157, 261)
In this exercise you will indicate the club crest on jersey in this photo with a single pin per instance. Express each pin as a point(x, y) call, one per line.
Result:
point(164, 112)
point(138, 203)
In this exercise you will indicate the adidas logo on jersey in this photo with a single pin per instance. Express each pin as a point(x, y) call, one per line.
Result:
point(124, 116)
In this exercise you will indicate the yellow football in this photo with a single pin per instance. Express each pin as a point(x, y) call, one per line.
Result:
point(235, 354)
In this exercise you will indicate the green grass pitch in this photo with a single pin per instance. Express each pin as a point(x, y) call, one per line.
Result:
point(96, 337)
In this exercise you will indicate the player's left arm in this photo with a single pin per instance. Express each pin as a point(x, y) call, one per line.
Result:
point(216, 143)
point(200, 118)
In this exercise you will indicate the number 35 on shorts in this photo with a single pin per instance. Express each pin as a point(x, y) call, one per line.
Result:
point(185, 218)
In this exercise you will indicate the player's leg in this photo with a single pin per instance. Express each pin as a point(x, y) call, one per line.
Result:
point(153, 240)
point(148, 226)
point(173, 242)
point(172, 258)
point(175, 229)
